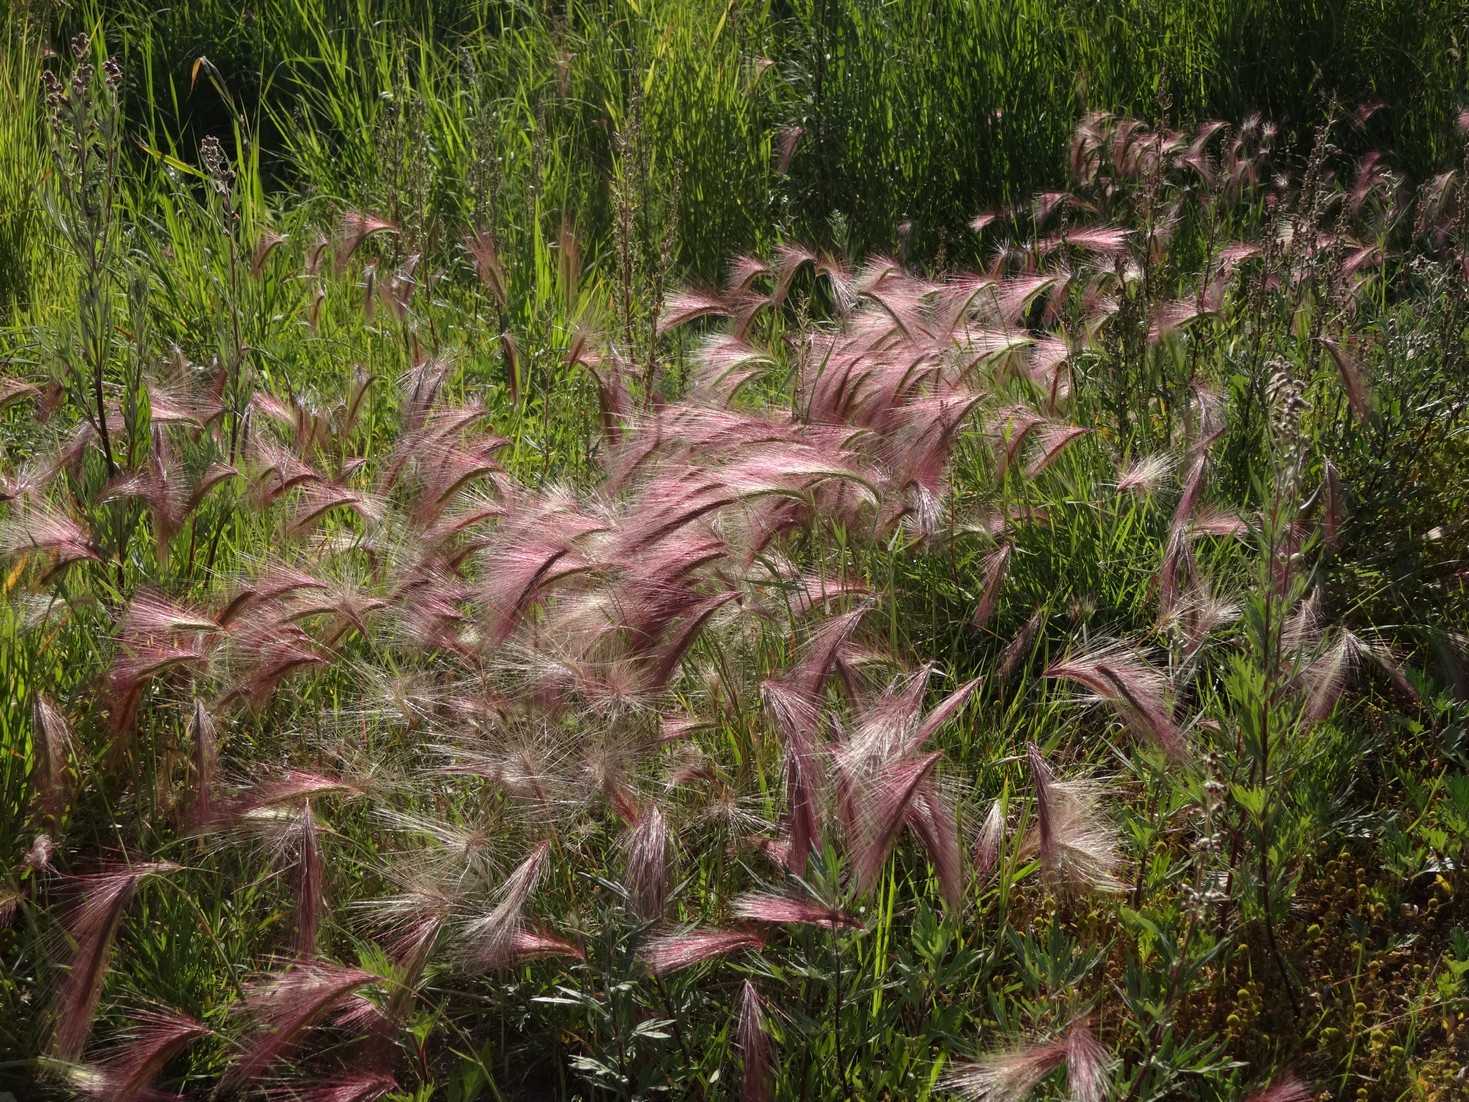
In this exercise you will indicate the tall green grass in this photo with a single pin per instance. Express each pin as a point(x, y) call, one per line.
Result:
point(913, 116)
point(22, 164)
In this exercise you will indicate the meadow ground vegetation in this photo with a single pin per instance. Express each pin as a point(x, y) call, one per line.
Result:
point(695, 550)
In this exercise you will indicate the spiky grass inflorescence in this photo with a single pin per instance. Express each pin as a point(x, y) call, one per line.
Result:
point(1077, 848)
point(1137, 691)
point(488, 940)
point(933, 818)
point(411, 925)
point(987, 845)
point(1007, 1076)
point(1018, 649)
point(1012, 1074)
point(683, 949)
point(876, 796)
point(43, 530)
point(1198, 613)
point(274, 582)
point(309, 882)
point(356, 227)
point(126, 1071)
point(1193, 488)
point(789, 909)
point(51, 740)
point(1055, 440)
point(140, 662)
point(818, 658)
point(942, 712)
point(1288, 1088)
point(531, 550)
point(1146, 473)
point(537, 944)
point(93, 925)
point(1388, 663)
point(996, 564)
point(1350, 372)
point(647, 863)
point(1088, 1063)
point(283, 1007)
point(689, 305)
point(794, 706)
point(11, 898)
point(1332, 505)
point(754, 1045)
point(797, 718)
point(291, 787)
point(204, 758)
point(263, 652)
point(360, 1086)
point(1325, 676)
point(39, 856)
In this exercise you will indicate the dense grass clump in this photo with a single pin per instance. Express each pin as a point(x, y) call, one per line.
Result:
point(693, 551)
